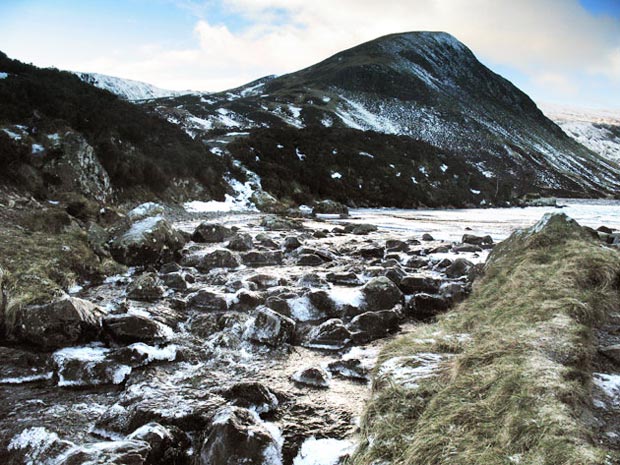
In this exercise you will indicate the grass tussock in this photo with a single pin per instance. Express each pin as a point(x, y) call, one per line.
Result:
point(514, 383)
point(41, 264)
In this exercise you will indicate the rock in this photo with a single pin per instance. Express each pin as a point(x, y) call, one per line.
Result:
point(88, 366)
point(241, 242)
point(211, 232)
point(75, 167)
point(369, 326)
point(427, 237)
point(415, 284)
point(204, 300)
point(149, 241)
point(256, 258)
point(331, 334)
point(167, 443)
point(246, 300)
point(265, 202)
point(271, 328)
point(252, 395)
point(372, 251)
point(145, 210)
point(279, 305)
point(266, 241)
point(311, 280)
point(453, 292)
point(443, 263)
point(312, 376)
point(128, 328)
point(309, 260)
point(291, 243)
point(238, 437)
point(343, 279)
point(320, 234)
point(170, 267)
point(61, 323)
point(278, 223)
point(381, 293)
point(330, 207)
point(175, 281)
point(350, 369)
point(98, 237)
point(360, 229)
point(613, 352)
point(424, 306)
point(441, 249)
point(122, 452)
point(477, 240)
point(323, 302)
point(395, 274)
point(466, 248)
point(605, 229)
point(417, 262)
point(220, 258)
point(459, 267)
point(19, 366)
point(394, 245)
point(146, 287)
point(266, 281)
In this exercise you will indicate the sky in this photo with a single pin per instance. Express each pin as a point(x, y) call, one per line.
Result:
point(565, 52)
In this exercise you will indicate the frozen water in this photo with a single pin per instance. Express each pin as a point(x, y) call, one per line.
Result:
point(323, 451)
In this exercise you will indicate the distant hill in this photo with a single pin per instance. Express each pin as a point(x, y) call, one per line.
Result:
point(127, 88)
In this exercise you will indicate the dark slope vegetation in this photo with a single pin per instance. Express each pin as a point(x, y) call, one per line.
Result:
point(423, 86)
point(138, 150)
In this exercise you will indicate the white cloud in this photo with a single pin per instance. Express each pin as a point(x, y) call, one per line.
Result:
point(553, 43)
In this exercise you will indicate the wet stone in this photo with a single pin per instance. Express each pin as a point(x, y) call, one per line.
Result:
point(167, 443)
point(477, 240)
point(343, 279)
point(271, 328)
point(459, 267)
point(205, 300)
point(175, 280)
point(211, 232)
point(381, 293)
point(415, 284)
point(238, 437)
point(241, 242)
point(350, 369)
point(147, 287)
point(129, 328)
point(369, 326)
point(331, 334)
point(217, 259)
point(424, 306)
point(312, 377)
point(291, 243)
point(266, 258)
point(309, 260)
point(251, 395)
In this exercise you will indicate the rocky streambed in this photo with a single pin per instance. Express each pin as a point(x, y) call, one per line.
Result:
point(242, 339)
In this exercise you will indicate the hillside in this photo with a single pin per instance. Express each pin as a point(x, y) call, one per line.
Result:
point(598, 130)
point(127, 89)
point(421, 86)
point(59, 134)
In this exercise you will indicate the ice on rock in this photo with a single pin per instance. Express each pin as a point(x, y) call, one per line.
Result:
point(346, 296)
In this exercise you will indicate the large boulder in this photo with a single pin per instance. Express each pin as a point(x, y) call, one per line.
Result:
point(279, 223)
point(61, 323)
point(149, 241)
point(167, 443)
point(271, 328)
point(381, 294)
point(312, 376)
point(211, 232)
point(424, 306)
point(252, 395)
point(241, 242)
point(477, 240)
point(414, 284)
point(88, 366)
point(238, 437)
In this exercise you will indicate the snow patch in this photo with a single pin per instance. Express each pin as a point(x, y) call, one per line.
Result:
point(336, 175)
point(343, 296)
point(4, 75)
point(323, 451)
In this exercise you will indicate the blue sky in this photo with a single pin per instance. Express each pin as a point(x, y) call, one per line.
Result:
point(559, 51)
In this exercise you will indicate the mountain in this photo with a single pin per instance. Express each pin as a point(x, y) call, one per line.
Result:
point(59, 135)
point(598, 130)
point(127, 88)
point(441, 125)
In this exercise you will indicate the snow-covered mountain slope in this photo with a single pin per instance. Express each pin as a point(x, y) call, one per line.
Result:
point(127, 88)
point(423, 86)
point(598, 130)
